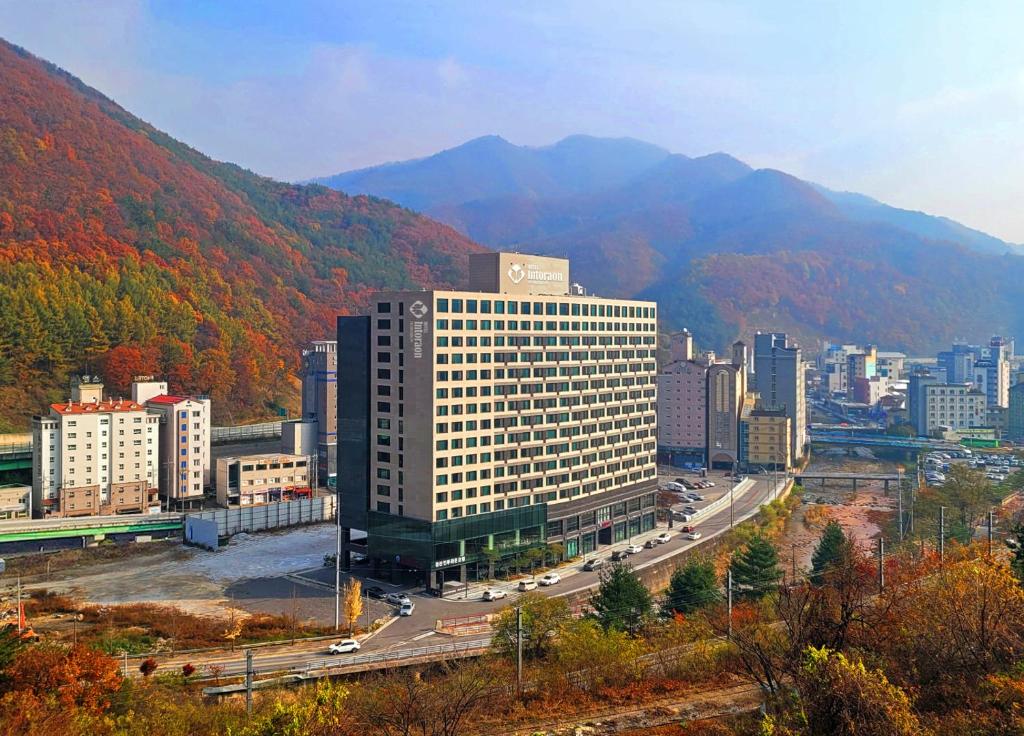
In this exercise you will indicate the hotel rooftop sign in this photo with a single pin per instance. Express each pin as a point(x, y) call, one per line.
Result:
point(517, 273)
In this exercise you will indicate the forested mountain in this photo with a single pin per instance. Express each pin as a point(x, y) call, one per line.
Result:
point(725, 248)
point(124, 251)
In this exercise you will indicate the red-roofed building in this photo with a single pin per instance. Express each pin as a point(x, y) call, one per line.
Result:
point(94, 455)
point(185, 462)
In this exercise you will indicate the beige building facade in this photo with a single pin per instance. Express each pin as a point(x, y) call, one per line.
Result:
point(503, 418)
point(251, 480)
point(766, 439)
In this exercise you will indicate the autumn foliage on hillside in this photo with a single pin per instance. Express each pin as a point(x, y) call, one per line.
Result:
point(124, 251)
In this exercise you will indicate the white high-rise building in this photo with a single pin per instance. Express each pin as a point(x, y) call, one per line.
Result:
point(185, 458)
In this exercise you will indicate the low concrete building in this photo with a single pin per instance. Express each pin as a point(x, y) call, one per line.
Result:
point(250, 480)
point(15, 501)
point(765, 439)
point(870, 391)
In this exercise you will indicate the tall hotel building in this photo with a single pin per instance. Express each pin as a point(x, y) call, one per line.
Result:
point(475, 425)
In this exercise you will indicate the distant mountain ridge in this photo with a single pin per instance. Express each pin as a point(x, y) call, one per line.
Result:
point(747, 248)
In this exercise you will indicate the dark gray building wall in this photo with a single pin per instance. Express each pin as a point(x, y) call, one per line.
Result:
point(354, 420)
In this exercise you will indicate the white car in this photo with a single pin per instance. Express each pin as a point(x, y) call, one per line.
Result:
point(634, 549)
point(550, 579)
point(493, 594)
point(693, 535)
point(397, 599)
point(663, 538)
point(407, 608)
point(525, 585)
point(344, 646)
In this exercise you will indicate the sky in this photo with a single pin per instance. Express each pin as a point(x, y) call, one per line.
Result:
point(918, 103)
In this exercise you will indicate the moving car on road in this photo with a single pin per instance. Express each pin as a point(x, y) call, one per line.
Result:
point(397, 599)
point(550, 578)
point(634, 549)
point(407, 608)
point(377, 592)
point(619, 555)
point(663, 538)
point(525, 585)
point(345, 646)
point(651, 543)
point(593, 564)
point(493, 594)
point(694, 535)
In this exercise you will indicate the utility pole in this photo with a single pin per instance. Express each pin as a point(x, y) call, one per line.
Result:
point(728, 586)
point(249, 683)
point(794, 563)
point(124, 654)
point(942, 533)
point(881, 565)
point(899, 490)
point(519, 651)
point(19, 609)
point(337, 555)
point(366, 608)
point(990, 533)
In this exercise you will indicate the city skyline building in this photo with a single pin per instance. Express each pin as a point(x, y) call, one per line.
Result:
point(489, 421)
point(779, 379)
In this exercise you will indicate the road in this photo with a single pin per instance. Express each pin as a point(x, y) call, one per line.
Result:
point(404, 636)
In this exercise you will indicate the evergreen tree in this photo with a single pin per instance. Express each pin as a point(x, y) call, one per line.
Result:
point(693, 586)
point(828, 552)
point(755, 569)
point(622, 602)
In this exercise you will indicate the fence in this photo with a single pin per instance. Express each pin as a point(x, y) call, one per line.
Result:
point(245, 433)
point(256, 518)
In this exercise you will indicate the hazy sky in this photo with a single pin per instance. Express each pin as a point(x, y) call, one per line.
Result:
point(919, 103)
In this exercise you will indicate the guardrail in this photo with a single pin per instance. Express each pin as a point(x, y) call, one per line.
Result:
point(16, 449)
point(385, 656)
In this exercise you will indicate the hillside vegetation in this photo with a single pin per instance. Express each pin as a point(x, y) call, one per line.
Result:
point(124, 251)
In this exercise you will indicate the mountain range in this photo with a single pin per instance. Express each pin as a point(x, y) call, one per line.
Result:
point(726, 249)
point(123, 251)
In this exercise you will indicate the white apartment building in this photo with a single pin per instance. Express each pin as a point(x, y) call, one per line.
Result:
point(185, 457)
point(94, 456)
point(952, 406)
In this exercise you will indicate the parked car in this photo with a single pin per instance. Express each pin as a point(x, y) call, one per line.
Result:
point(681, 516)
point(696, 497)
point(690, 509)
point(407, 608)
point(593, 564)
point(619, 555)
point(397, 599)
point(375, 591)
point(525, 585)
point(634, 549)
point(551, 578)
point(678, 487)
point(663, 538)
point(693, 535)
point(493, 594)
point(344, 647)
